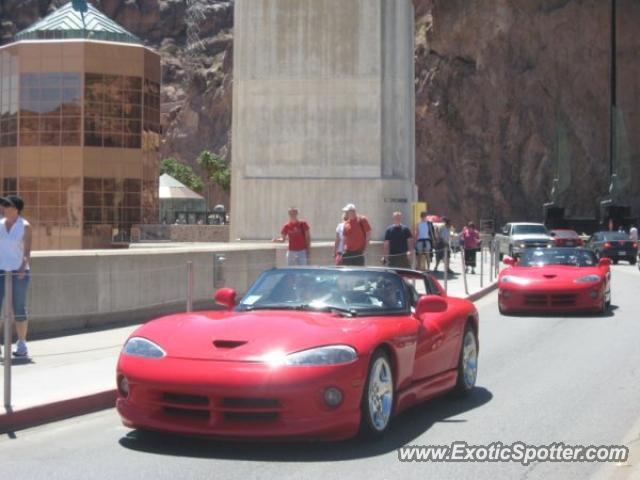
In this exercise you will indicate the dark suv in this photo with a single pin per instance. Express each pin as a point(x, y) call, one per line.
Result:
point(614, 245)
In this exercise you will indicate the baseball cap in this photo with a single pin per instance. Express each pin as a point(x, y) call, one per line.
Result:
point(349, 206)
point(12, 201)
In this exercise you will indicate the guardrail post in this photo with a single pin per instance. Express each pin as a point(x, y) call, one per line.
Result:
point(446, 269)
point(189, 286)
point(8, 321)
point(491, 247)
point(464, 271)
point(481, 266)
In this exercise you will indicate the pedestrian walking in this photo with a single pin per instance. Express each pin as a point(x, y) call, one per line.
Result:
point(15, 255)
point(633, 234)
point(443, 245)
point(471, 242)
point(338, 248)
point(425, 235)
point(398, 244)
point(357, 234)
point(298, 233)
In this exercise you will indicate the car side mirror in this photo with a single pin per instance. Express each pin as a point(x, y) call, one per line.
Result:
point(226, 297)
point(509, 261)
point(430, 304)
point(604, 262)
point(552, 234)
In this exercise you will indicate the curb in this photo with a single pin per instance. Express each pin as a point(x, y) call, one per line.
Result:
point(482, 293)
point(11, 421)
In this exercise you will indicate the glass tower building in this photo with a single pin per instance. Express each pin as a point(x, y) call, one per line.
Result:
point(80, 128)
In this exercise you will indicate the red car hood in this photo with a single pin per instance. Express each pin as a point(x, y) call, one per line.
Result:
point(248, 336)
point(552, 273)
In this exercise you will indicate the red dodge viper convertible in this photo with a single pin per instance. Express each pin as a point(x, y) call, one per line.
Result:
point(555, 280)
point(308, 352)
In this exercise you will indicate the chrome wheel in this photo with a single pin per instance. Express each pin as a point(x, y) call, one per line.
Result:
point(380, 394)
point(469, 360)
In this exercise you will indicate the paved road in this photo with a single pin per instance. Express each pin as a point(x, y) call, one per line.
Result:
point(542, 380)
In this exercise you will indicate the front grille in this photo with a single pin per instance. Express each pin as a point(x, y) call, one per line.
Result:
point(200, 408)
point(183, 399)
point(535, 300)
point(235, 402)
point(555, 300)
point(187, 413)
point(563, 300)
point(536, 244)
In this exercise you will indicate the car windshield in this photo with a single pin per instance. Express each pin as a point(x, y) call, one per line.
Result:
point(352, 292)
point(558, 256)
point(565, 234)
point(529, 230)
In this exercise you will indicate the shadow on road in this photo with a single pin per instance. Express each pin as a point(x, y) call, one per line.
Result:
point(404, 430)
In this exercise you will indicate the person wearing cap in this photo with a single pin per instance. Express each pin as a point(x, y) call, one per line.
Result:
point(299, 235)
point(15, 254)
point(357, 234)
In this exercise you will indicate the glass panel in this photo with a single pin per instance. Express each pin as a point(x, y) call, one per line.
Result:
point(50, 184)
point(70, 138)
point(93, 184)
point(50, 138)
point(92, 139)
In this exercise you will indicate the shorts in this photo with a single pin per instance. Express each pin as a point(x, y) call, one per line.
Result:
point(296, 257)
point(353, 258)
point(423, 245)
point(20, 288)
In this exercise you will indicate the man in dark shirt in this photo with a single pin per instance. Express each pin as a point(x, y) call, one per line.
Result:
point(398, 244)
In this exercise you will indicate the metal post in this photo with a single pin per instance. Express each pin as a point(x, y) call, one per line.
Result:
point(491, 261)
point(189, 286)
point(481, 266)
point(464, 272)
point(8, 321)
point(446, 269)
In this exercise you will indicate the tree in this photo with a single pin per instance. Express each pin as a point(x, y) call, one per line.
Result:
point(181, 172)
point(216, 169)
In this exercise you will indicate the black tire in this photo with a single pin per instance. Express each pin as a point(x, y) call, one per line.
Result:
point(368, 428)
point(632, 261)
point(464, 385)
point(615, 261)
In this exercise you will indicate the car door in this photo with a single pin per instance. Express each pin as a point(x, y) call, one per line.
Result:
point(436, 333)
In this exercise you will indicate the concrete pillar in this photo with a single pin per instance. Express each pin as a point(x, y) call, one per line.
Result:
point(323, 113)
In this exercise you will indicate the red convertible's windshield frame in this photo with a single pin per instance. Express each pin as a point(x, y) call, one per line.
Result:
point(557, 256)
point(350, 291)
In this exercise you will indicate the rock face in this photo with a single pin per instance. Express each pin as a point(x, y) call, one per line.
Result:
point(503, 91)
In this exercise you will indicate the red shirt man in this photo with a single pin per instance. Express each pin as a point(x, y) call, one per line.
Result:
point(356, 233)
point(298, 234)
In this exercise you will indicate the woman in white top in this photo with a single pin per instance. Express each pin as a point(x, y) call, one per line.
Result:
point(15, 253)
point(338, 248)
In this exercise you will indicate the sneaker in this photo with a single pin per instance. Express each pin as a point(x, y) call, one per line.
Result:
point(21, 349)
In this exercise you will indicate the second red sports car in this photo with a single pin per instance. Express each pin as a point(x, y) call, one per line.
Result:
point(307, 352)
point(555, 280)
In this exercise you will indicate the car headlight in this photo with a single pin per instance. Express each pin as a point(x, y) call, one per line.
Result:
point(141, 347)
point(329, 355)
point(515, 280)
point(522, 245)
point(588, 279)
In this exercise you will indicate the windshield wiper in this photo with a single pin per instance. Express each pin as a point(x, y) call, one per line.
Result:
point(351, 312)
point(249, 308)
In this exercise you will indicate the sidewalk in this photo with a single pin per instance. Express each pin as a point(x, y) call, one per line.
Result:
point(74, 375)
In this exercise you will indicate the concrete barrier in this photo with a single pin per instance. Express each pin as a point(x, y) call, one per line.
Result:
point(75, 290)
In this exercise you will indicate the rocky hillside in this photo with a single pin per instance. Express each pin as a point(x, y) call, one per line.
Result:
point(503, 89)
